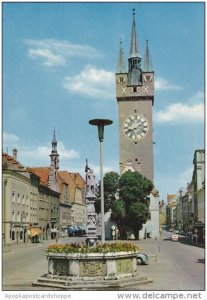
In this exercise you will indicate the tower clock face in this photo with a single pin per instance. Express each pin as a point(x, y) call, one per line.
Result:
point(136, 127)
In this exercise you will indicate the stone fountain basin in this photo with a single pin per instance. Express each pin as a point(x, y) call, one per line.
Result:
point(92, 266)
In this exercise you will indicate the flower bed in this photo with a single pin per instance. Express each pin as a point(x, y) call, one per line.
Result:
point(99, 248)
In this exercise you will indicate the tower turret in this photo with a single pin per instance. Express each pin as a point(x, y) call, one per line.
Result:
point(121, 64)
point(148, 67)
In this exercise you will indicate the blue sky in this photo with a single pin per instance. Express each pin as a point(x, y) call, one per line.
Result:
point(59, 61)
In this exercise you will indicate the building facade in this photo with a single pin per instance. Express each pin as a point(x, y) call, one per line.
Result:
point(162, 211)
point(171, 211)
point(186, 209)
point(69, 208)
point(16, 206)
point(20, 200)
point(198, 182)
point(76, 194)
point(38, 202)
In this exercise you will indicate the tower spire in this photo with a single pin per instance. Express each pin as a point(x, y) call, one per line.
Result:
point(134, 51)
point(54, 136)
point(121, 65)
point(54, 165)
point(148, 67)
point(54, 144)
point(134, 60)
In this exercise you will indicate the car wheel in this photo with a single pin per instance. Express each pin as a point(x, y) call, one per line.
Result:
point(140, 261)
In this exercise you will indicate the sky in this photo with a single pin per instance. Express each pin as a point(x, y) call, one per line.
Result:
point(59, 62)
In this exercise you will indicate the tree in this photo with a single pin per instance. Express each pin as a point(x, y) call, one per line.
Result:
point(130, 209)
point(138, 215)
point(134, 190)
point(111, 180)
point(134, 187)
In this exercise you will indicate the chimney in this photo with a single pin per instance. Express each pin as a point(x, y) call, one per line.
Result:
point(15, 154)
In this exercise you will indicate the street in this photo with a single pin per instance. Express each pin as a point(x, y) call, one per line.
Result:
point(180, 267)
point(172, 265)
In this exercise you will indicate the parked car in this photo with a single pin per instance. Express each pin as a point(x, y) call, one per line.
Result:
point(71, 231)
point(142, 259)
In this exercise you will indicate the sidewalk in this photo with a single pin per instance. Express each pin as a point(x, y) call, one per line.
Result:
point(15, 246)
point(188, 240)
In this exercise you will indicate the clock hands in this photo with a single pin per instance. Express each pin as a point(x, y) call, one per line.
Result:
point(133, 126)
point(136, 127)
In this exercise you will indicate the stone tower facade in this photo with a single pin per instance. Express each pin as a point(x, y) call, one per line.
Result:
point(135, 96)
point(54, 166)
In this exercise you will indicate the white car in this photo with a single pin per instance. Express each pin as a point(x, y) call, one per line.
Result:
point(175, 237)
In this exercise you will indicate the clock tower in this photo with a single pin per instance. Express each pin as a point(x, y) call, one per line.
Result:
point(135, 97)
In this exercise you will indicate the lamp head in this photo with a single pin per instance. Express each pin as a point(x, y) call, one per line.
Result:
point(100, 123)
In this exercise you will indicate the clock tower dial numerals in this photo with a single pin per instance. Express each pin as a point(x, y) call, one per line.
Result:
point(136, 127)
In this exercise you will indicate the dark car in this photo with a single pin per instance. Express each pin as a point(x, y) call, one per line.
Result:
point(71, 231)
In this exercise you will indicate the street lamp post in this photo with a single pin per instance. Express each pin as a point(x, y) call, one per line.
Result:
point(101, 123)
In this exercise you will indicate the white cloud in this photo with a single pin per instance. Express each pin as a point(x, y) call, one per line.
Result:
point(66, 154)
point(162, 84)
point(198, 97)
point(10, 139)
point(190, 112)
point(185, 177)
point(55, 52)
point(96, 83)
point(44, 151)
point(49, 59)
point(179, 112)
point(37, 156)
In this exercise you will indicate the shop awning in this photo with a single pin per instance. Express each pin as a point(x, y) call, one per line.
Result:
point(35, 231)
